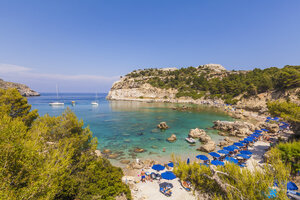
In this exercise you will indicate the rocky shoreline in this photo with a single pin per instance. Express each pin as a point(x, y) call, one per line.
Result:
point(23, 89)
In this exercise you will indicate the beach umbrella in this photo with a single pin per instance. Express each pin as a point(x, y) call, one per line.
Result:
point(214, 154)
point(168, 175)
point(267, 120)
point(244, 141)
point(272, 194)
point(238, 144)
point(275, 118)
point(233, 146)
point(204, 164)
point(233, 160)
point(216, 162)
point(254, 135)
point(158, 167)
point(248, 139)
point(202, 157)
point(229, 148)
point(188, 161)
point(291, 186)
point(266, 130)
point(171, 164)
point(269, 117)
point(243, 156)
point(222, 151)
point(246, 152)
point(165, 184)
point(258, 131)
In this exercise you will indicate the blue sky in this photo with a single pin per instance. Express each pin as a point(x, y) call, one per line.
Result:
point(84, 46)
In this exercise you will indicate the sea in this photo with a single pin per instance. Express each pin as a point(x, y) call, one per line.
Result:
point(122, 126)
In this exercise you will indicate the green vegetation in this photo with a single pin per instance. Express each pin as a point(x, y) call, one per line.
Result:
point(290, 154)
point(193, 81)
point(51, 157)
point(233, 182)
point(287, 110)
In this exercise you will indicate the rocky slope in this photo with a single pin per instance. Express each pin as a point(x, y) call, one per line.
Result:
point(136, 87)
point(23, 89)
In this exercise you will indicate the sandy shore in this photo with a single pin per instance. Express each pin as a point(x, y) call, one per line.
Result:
point(150, 190)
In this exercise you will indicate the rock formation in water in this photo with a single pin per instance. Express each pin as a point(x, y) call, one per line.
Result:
point(23, 89)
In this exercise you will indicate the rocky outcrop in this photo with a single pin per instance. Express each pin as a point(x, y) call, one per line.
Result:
point(272, 127)
point(162, 125)
point(23, 89)
point(226, 142)
point(197, 133)
point(208, 147)
point(172, 138)
point(237, 128)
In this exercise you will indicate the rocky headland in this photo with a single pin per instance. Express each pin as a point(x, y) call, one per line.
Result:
point(138, 86)
point(23, 89)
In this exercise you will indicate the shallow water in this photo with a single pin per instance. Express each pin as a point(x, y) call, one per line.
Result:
point(122, 126)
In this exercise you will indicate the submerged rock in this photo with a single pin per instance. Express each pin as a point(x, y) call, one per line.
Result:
point(125, 161)
point(139, 150)
point(113, 156)
point(106, 151)
point(162, 125)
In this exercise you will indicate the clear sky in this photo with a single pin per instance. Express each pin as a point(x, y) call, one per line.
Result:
point(84, 46)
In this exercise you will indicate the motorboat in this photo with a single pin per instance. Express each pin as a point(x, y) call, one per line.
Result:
point(190, 140)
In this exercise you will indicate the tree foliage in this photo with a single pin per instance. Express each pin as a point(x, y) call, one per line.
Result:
point(192, 81)
point(54, 158)
point(232, 182)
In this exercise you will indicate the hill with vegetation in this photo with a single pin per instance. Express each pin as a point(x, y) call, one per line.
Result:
point(23, 89)
point(209, 82)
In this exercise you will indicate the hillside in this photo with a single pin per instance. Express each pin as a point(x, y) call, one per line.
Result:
point(23, 89)
point(210, 83)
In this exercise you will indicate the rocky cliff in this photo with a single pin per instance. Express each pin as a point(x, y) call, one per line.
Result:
point(23, 89)
point(156, 85)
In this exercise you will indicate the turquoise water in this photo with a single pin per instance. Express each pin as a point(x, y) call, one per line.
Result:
point(121, 126)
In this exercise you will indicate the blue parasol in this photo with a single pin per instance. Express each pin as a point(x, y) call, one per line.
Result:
point(243, 156)
point(214, 154)
point(233, 160)
point(238, 144)
point(171, 164)
point(222, 151)
point(291, 186)
point(269, 117)
point(202, 157)
point(229, 148)
point(158, 167)
point(267, 120)
point(168, 175)
point(188, 161)
point(233, 146)
point(246, 152)
point(216, 162)
point(266, 130)
point(258, 131)
point(244, 141)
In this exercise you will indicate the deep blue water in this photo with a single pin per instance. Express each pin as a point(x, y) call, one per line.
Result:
point(122, 126)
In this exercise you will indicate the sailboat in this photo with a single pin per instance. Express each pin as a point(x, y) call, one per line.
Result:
point(56, 103)
point(95, 103)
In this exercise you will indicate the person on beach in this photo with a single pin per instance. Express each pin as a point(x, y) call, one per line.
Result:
point(143, 176)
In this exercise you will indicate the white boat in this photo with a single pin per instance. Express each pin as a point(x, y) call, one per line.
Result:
point(190, 140)
point(56, 103)
point(95, 103)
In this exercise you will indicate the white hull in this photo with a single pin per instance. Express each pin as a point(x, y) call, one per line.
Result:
point(56, 104)
point(190, 140)
point(94, 103)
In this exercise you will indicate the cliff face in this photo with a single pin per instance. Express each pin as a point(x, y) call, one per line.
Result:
point(23, 89)
point(138, 86)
